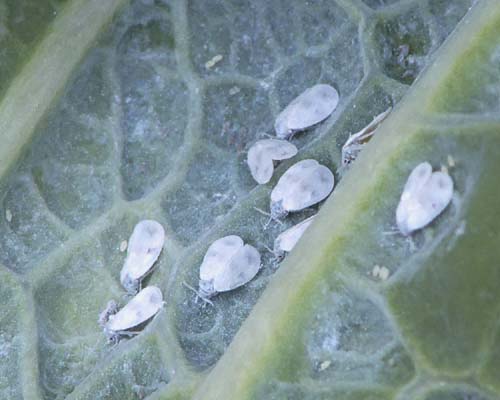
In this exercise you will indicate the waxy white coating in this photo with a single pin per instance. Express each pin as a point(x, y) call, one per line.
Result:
point(308, 109)
point(302, 185)
point(425, 195)
point(144, 248)
point(143, 306)
point(262, 154)
point(228, 264)
point(286, 241)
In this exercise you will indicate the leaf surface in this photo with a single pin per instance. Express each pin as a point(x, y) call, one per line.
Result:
point(112, 112)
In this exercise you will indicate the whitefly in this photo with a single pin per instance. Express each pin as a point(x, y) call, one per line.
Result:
point(308, 109)
point(286, 240)
point(126, 322)
point(262, 155)
point(356, 142)
point(302, 185)
point(227, 265)
point(144, 248)
point(425, 195)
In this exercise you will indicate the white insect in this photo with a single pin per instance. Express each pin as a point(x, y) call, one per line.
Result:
point(228, 264)
point(286, 241)
point(262, 155)
point(140, 309)
point(144, 248)
point(308, 109)
point(302, 185)
point(355, 143)
point(425, 195)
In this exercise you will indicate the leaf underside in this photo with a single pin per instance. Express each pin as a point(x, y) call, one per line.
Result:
point(143, 128)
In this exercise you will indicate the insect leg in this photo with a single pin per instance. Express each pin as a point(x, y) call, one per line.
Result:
point(198, 295)
point(271, 218)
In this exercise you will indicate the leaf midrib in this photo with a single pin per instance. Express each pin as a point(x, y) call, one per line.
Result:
point(254, 344)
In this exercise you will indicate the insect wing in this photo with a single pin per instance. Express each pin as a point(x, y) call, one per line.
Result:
point(142, 307)
point(290, 178)
point(144, 248)
point(311, 107)
point(260, 164)
point(370, 129)
point(242, 267)
point(380, 118)
point(261, 155)
point(287, 240)
point(424, 197)
point(417, 179)
point(314, 185)
point(440, 192)
point(410, 211)
point(218, 256)
point(434, 197)
point(352, 145)
point(365, 133)
point(278, 149)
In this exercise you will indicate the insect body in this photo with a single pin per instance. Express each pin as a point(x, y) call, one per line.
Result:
point(262, 154)
point(302, 185)
point(228, 264)
point(308, 109)
point(355, 143)
point(140, 309)
point(425, 195)
point(144, 248)
point(111, 308)
point(286, 241)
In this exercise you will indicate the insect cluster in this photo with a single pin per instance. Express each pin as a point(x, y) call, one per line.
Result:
point(144, 248)
point(230, 263)
point(307, 182)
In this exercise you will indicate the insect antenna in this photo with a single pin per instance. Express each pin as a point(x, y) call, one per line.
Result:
point(271, 218)
point(198, 295)
point(267, 135)
point(391, 231)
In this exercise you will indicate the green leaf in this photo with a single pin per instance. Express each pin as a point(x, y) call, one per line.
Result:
point(434, 322)
point(109, 114)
